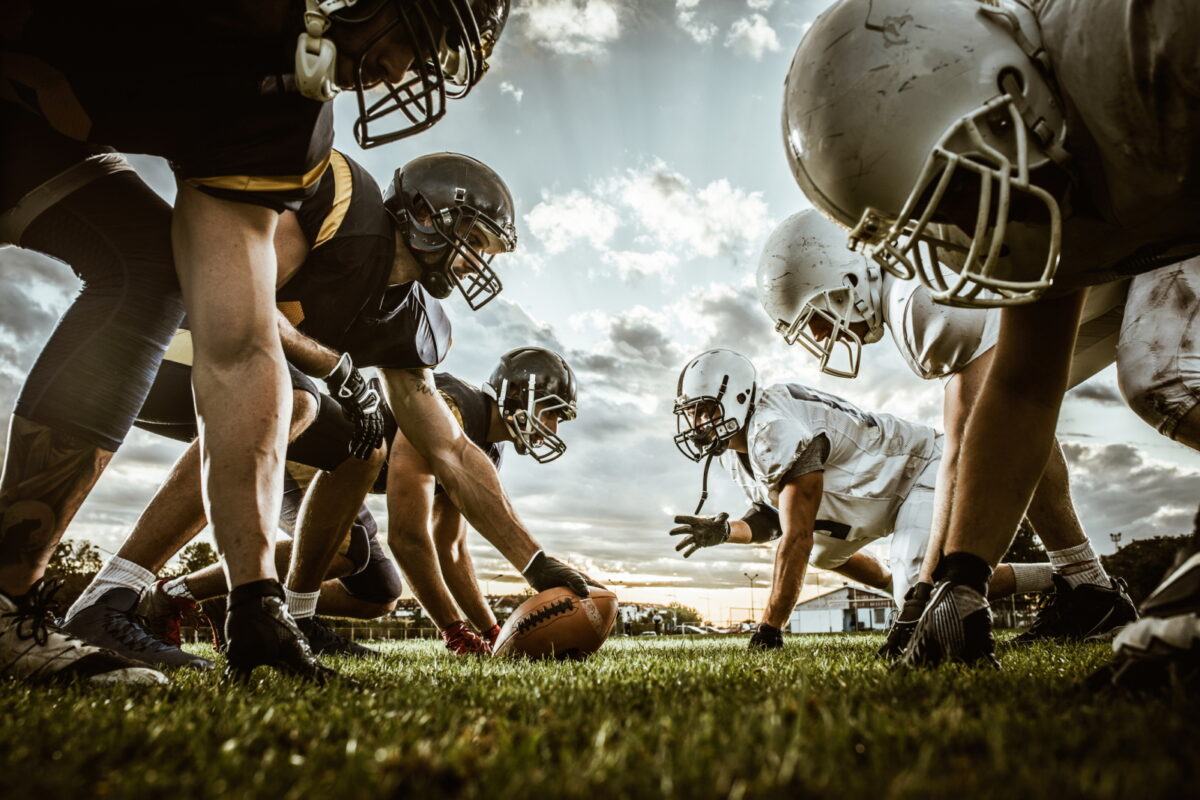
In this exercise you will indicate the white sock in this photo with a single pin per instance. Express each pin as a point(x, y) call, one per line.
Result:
point(178, 588)
point(117, 573)
point(1030, 578)
point(1079, 565)
point(302, 604)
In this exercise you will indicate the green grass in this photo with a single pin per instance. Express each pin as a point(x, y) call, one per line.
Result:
point(692, 718)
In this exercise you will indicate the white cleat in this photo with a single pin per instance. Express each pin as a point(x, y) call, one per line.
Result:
point(34, 650)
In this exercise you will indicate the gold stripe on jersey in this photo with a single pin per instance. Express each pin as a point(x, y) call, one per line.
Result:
point(342, 189)
point(453, 408)
point(264, 183)
point(180, 349)
point(292, 310)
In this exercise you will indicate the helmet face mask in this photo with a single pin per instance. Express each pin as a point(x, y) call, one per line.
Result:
point(999, 172)
point(467, 240)
point(702, 429)
point(837, 322)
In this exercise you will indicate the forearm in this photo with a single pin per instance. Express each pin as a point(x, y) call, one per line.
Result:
point(309, 355)
point(416, 558)
point(739, 532)
point(791, 563)
point(458, 570)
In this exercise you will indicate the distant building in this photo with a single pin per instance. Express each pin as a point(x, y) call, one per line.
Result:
point(849, 608)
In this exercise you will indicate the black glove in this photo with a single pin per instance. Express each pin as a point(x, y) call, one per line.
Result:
point(362, 400)
point(767, 637)
point(701, 531)
point(545, 573)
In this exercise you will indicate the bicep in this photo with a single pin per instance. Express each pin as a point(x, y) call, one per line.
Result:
point(799, 499)
point(421, 414)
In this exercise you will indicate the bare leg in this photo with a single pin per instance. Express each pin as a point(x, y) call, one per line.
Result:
point(176, 514)
point(417, 559)
point(1002, 584)
point(337, 602)
point(866, 569)
point(457, 568)
point(1011, 429)
point(1051, 511)
point(47, 475)
point(207, 583)
point(225, 258)
point(329, 508)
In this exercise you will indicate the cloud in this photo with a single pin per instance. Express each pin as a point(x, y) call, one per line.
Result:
point(1103, 393)
point(752, 36)
point(571, 27)
point(632, 264)
point(507, 88)
point(760, 5)
point(560, 222)
point(1118, 488)
point(685, 18)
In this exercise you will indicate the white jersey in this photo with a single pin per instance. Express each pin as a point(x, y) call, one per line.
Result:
point(937, 341)
point(874, 460)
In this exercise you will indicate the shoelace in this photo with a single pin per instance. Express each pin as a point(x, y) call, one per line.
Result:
point(133, 631)
point(34, 615)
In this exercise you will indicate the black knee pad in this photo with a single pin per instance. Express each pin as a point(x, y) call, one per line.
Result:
point(362, 538)
point(94, 373)
point(378, 581)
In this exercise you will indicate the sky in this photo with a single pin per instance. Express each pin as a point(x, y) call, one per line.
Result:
point(642, 144)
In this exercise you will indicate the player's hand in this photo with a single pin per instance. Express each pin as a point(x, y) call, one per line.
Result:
point(701, 531)
point(545, 573)
point(362, 400)
point(767, 637)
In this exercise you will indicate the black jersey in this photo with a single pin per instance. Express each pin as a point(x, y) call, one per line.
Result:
point(473, 410)
point(194, 83)
point(340, 295)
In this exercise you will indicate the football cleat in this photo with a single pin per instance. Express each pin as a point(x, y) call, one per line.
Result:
point(164, 614)
point(112, 622)
point(462, 641)
point(259, 631)
point(325, 641)
point(33, 649)
point(1087, 611)
point(490, 636)
point(956, 626)
point(1161, 650)
point(898, 636)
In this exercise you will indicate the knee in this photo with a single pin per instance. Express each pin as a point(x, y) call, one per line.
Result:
point(304, 412)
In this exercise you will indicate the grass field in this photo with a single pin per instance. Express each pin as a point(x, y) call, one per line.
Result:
point(693, 718)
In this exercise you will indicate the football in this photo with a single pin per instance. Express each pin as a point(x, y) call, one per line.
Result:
point(557, 623)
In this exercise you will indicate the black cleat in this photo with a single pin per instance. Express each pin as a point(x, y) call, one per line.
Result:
point(215, 611)
point(325, 641)
point(260, 632)
point(112, 623)
point(1086, 611)
point(956, 626)
point(915, 600)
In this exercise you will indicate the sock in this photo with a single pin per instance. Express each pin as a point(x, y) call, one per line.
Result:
point(967, 569)
point(117, 573)
point(1078, 565)
point(302, 604)
point(1030, 578)
point(178, 588)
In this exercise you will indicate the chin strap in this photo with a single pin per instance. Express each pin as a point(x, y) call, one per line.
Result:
point(316, 56)
point(704, 485)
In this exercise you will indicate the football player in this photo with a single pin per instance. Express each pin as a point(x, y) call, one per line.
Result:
point(365, 294)
point(529, 393)
point(824, 477)
point(833, 301)
point(1060, 140)
point(237, 99)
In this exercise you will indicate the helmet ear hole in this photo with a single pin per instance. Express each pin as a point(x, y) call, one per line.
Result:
point(741, 398)
point(853, 279)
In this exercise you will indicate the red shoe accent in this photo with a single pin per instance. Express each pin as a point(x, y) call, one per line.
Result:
point(170, 613)
point(490, 636)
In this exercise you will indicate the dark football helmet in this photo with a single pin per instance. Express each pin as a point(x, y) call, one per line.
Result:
point(456, 214)
point(531, 384)
point(451, 41)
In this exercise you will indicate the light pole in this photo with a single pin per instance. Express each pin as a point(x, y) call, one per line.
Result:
point(752, 579)
point(1116, 540)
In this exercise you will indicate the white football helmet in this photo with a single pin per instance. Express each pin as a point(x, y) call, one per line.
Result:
point(807, 273)
point(714, 400)
point(899, 113)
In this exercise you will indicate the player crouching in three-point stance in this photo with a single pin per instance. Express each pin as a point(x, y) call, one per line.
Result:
point(1060, 139)
point(529, 393)
point(831, 301)
point(824, 477)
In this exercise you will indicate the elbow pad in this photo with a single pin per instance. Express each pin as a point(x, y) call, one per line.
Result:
point(764, 523)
